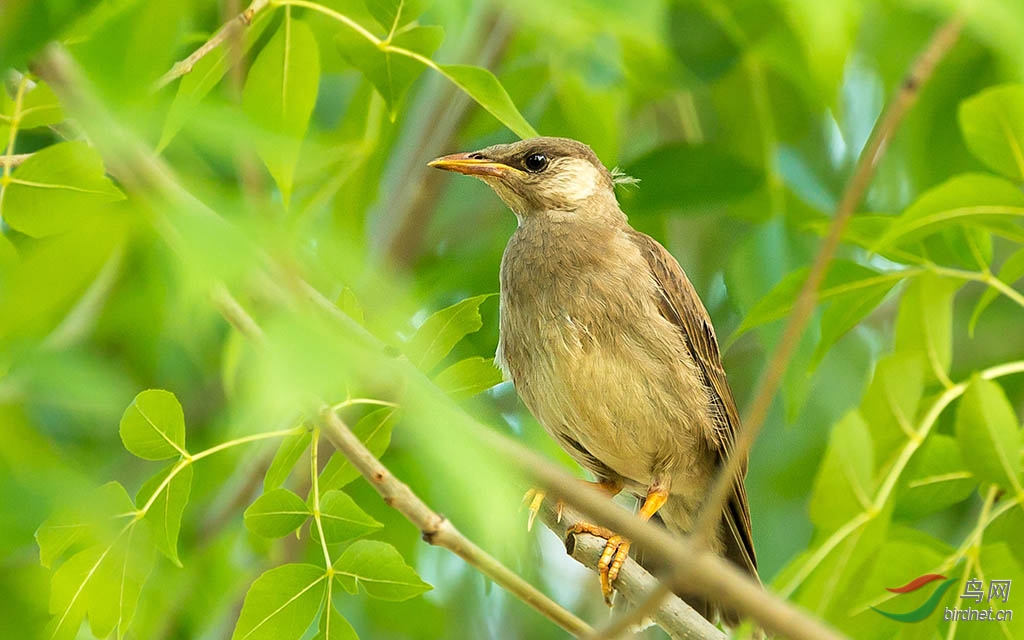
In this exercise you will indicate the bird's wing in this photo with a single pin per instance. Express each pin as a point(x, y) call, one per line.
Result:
point(680, 305)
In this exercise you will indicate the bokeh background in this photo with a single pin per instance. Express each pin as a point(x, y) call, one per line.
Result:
point(743, 120)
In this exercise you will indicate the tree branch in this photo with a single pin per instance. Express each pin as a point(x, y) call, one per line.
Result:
point(438, 530)
point(230, 29)
point(674, 616)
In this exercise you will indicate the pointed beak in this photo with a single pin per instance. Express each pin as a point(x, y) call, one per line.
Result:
point(471, 164)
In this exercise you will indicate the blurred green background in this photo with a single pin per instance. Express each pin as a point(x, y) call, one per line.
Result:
point(742, 119)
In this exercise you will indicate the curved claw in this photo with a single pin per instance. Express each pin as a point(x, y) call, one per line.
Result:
point(536, 498)
point(615, 552)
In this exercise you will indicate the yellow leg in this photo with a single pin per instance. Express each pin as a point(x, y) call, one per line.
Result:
point(536, 497)
point(616, 550)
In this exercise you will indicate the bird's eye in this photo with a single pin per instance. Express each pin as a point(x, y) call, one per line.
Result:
point(536, 162)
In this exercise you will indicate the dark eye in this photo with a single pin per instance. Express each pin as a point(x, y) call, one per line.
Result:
point(536, 162)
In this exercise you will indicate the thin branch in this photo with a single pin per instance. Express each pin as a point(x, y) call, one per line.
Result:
point(921, 70)
point(674, 616)
point(235, 26)
point(438, 530)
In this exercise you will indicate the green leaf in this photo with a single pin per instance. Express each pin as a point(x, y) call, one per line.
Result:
point(1011, 271)
point(58, 189)
point(843, 486)
point(153, 426)
point(469, 377)
point(287, 455)
point(847, 310)
point(165, 513)
point(391, 73)
point(279, 95)
point(374, 430)
point(682, 176)
point(381, 571)
point(988, 433)
point(973, 198)
point(97, 518)
point(203, 77)
point(924, 324)
point(104, 582)
point(281, 604)
point(992, 123)
point(40, 108)
point(439, 334)
point(935, 479)
point(889, 405)
point(482, 86)
point(276, 513)
point(845, 280)
point(333, 626)
point(342, 519)
point(393, 14)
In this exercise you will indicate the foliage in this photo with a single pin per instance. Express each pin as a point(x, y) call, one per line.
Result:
point(287, 167)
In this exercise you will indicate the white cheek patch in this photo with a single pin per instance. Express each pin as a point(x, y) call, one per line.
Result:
point(577, 179)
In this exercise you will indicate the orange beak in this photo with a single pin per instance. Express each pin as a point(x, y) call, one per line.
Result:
point(466, 164)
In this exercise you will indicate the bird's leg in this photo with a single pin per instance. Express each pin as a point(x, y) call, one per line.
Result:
point(616, 550)
point(610, 486)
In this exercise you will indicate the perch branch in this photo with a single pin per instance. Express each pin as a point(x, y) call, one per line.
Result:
point(674, 616)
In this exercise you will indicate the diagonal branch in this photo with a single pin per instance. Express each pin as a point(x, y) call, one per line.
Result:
point(920, 71)
point(438, 530)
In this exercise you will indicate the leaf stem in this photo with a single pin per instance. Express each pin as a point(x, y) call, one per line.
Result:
point(889, 484)
point(314, 473)
point(186, 460)
point(340, 17)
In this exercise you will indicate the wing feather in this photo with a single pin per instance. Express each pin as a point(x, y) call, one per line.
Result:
point(681, 305)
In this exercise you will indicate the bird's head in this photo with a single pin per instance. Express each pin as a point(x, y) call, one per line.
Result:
point(539, 174)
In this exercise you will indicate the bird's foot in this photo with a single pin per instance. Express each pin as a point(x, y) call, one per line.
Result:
point(616, 550)
point(536, 498)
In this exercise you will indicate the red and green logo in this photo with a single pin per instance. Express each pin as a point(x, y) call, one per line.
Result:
point(929, 605)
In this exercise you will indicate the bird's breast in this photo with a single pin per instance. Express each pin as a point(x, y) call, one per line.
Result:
point(590, 354)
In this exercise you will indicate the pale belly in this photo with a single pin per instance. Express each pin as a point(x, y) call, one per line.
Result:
point(624, 394)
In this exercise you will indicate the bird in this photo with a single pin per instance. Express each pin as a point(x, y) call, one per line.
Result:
point(609, 346)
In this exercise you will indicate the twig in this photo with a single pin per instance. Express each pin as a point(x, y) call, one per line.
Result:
point(438, 530)
point(920, 71)
point(236, 25)
point(147, 176)
point(674, 616)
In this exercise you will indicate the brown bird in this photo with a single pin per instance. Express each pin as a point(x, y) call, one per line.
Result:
point(608, 344)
